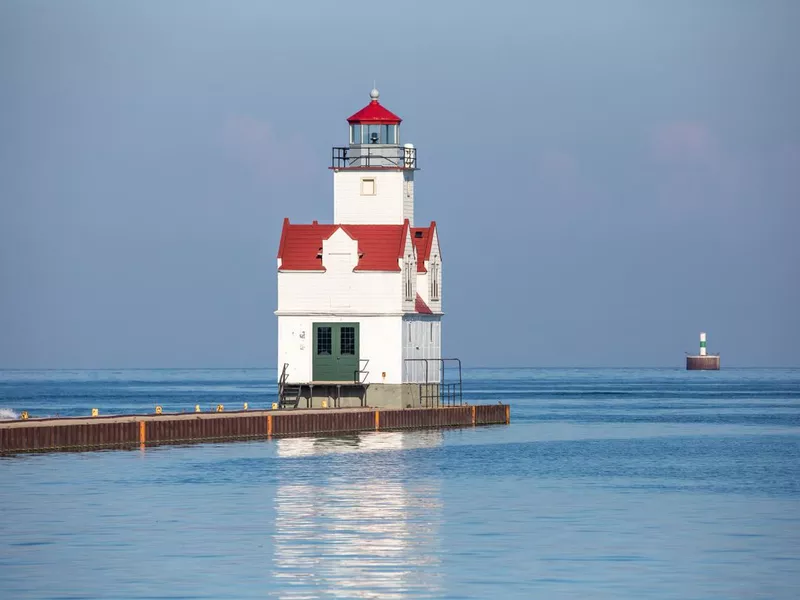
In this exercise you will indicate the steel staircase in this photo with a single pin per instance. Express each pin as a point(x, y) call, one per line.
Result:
point(288, 394)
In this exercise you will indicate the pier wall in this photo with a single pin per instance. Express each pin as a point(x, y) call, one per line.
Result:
point(128, 431)
point(705, 362)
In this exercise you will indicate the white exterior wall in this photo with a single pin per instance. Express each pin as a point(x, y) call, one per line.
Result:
point(379, 341)
point(346, 293)
point(408, 196)
point(386, 207)
point(422, 338)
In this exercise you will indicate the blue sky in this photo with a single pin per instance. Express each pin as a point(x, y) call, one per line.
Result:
point(609, 179)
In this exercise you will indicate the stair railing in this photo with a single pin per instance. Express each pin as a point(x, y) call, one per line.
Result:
point(435, 387)
point(282, 381)
point(360, 376)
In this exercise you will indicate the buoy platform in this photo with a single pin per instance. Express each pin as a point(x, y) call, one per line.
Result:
point(131, 431)
point(704, 362)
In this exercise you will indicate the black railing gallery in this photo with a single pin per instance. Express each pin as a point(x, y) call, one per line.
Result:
point(399, 157)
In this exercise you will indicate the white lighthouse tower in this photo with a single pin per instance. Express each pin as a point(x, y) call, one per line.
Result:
point(360, 299)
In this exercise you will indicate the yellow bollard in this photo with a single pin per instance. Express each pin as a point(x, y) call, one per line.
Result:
point(95, 412)
point(196, 408)
point(245, 405)
point(220, 408)
point(158, 410)
point(23, 415)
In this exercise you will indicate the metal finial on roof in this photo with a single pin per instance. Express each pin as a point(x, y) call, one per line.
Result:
point(374, 94)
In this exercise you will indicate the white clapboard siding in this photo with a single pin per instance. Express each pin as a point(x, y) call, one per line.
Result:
point(385, 207)
point(422, 339)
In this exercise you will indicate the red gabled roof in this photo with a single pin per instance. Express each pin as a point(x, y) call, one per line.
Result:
point(374, 112)
point(421, 307)
point(423, 241)
point(379, 246)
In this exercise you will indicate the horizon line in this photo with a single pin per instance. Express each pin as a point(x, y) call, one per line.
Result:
point(514, 368)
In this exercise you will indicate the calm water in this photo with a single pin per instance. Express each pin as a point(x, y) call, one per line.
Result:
point(607, 484)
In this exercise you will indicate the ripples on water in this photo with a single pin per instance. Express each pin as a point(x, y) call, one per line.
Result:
point(607, 484)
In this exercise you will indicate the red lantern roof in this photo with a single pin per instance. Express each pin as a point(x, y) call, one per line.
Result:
point(374, 112)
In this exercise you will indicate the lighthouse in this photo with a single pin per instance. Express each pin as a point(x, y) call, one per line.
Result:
point(702, 361)
point(360, 299)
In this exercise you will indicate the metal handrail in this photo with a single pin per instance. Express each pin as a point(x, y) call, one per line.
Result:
point(343, 157)
point(361, 370)
point(442, 391)
point(282, 381)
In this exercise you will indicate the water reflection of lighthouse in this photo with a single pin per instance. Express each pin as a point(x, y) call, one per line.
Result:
point(351, 519)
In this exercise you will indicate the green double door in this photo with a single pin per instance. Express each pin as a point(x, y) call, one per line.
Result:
point(335, 352)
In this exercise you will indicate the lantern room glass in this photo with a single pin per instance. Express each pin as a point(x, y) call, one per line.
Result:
point(374, 134)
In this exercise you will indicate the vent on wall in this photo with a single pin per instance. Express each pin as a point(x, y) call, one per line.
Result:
point(418, 234)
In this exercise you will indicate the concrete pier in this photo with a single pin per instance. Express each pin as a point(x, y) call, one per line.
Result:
point(130, 431)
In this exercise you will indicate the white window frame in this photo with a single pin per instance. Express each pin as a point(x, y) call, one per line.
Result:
point(434, 290)
point(409, 281)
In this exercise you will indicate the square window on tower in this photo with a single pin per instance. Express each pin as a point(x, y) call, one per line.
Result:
point(368, 186)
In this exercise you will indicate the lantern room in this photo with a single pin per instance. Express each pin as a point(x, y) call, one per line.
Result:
point(374, 124)
point(374, 141)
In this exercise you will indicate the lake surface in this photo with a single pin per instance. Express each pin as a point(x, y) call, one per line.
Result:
point(609, 483)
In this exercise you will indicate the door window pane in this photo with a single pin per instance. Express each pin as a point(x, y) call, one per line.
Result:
point(324, 345)
point(348, 341)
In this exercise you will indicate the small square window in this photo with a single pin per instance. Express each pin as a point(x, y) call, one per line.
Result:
point(368, 187)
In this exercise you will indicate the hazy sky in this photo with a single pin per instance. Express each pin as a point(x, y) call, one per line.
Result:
point(609, 178)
